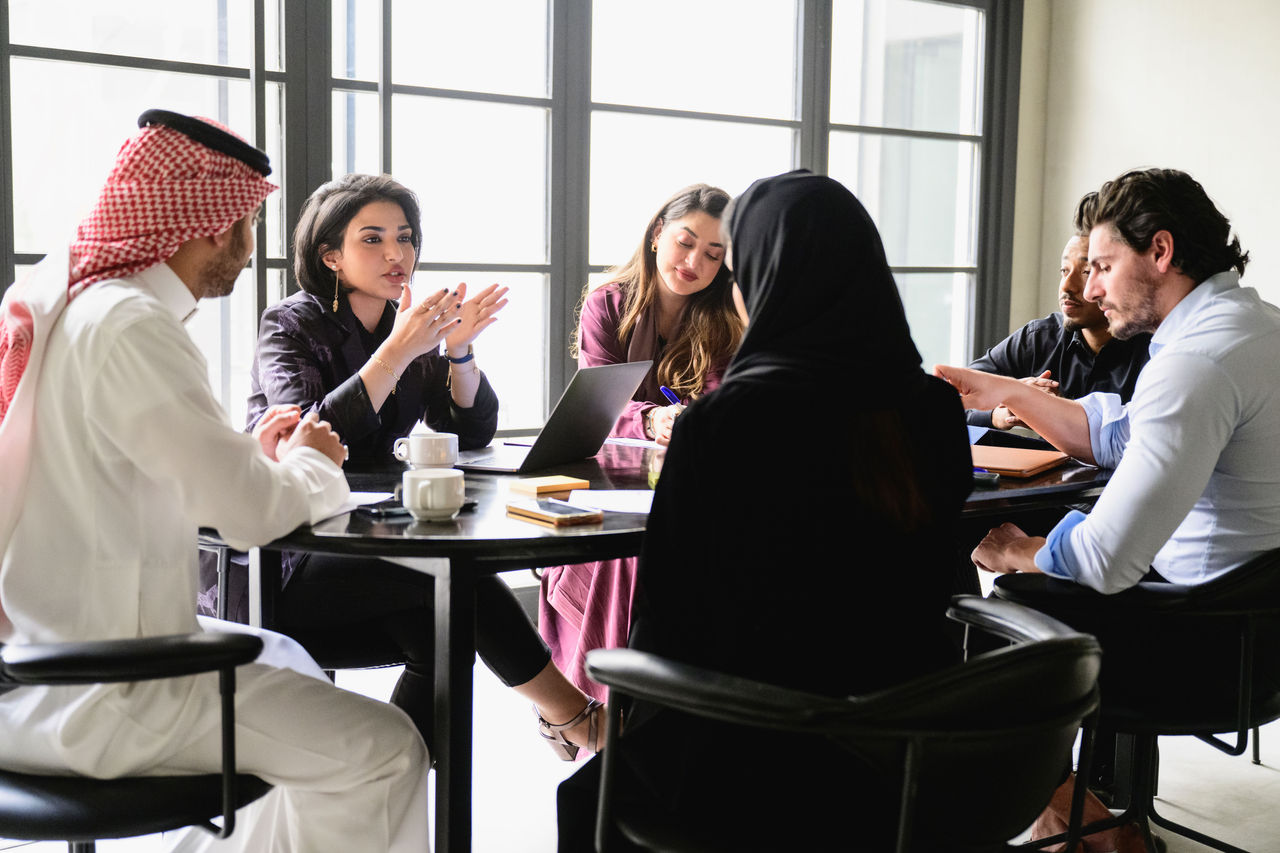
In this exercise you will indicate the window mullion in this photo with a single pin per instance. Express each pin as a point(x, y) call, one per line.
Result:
point(569, 176)
point(813, 79)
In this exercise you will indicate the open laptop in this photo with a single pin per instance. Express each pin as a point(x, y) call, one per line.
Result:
point(578, 426)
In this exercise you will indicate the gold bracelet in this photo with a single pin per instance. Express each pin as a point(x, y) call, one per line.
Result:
point(387, 368)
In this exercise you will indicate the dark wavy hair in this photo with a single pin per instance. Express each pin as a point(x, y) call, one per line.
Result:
point(329, 210)
point(1143, 201)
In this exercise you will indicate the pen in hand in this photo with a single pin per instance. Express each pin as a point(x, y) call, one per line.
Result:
point(670, 395)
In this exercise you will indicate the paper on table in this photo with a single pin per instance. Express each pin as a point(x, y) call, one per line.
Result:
point(358, 499)
point(633, 442)
point(362, 498)
point(612, 500)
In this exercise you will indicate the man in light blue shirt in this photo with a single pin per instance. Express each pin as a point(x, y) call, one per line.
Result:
point(1196, 488)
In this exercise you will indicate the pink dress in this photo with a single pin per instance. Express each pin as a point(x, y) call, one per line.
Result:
point(588, 605)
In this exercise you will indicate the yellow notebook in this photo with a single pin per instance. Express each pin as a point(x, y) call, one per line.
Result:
point(549, 485)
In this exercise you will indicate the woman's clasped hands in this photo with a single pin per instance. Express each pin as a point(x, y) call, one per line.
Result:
point(445, 316)
point(475, 315)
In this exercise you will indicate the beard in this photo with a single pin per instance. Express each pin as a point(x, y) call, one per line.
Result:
point(1142, 317)
point(219, 275)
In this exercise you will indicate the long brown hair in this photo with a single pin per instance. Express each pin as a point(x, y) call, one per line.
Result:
point(711, 329)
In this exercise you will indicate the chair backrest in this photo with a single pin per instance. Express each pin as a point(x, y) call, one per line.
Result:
point(988, 741)
point(79, 809)
point(1176, 651)
point(976, 749)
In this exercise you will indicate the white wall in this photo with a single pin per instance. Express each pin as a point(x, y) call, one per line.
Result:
point(1184, 84)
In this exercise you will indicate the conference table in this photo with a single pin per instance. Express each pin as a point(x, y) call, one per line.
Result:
point(485, 540)
point(480, 541)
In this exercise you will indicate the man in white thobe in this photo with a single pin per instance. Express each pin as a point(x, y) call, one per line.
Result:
point(112, 451)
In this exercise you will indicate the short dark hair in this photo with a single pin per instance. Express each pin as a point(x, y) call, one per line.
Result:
point(329, 210)
point(1143, 201)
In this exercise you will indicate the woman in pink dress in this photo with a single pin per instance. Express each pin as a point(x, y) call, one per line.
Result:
point(672, 303)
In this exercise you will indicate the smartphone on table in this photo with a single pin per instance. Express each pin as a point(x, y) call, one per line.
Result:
point(552, 511)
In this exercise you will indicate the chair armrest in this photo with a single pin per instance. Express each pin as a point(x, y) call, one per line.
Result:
point(1006, 619)
point(134, 659)
point(710, 694)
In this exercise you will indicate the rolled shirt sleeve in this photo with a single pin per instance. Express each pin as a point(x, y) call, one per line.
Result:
point(1164, 446)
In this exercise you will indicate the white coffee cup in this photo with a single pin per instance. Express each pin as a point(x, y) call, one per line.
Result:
point(427, 449)
point(432, 494)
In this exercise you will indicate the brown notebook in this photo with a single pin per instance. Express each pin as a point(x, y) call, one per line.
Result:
point(1016, 461)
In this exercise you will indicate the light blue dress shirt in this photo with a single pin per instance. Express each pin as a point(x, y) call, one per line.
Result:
point(1196, 452)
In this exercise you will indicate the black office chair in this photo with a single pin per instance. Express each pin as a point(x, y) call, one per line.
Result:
point(971, 754)
point(80, 810)
point(1181, 660)
point(332, 652)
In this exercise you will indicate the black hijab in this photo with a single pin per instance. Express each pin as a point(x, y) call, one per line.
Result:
point(818, 290)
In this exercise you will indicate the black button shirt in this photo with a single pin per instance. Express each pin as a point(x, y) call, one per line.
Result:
point(1045, 345)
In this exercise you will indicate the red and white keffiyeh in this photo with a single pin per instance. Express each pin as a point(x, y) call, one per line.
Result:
point(164, 190)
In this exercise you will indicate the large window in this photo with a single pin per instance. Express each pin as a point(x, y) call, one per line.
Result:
point(540, 136)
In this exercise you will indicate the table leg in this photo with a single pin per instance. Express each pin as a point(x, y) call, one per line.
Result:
point(455, 656)
point(264, 586)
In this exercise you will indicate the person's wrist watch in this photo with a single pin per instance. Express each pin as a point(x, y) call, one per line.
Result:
point(648, 423)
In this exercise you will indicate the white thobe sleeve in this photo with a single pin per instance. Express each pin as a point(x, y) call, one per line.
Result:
point(151, 403)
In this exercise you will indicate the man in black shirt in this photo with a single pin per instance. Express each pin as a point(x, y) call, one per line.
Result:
point(1070, 353)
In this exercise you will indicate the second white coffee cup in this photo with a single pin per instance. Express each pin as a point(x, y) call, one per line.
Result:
point(432, 494)
point(427, 449)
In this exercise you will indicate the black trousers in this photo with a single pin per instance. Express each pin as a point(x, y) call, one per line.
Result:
point(357, 612)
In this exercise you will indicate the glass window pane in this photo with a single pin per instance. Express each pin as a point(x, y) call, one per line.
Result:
point(56, 176)
point(707, 56)
point(922, 193)
point(356, 124)
point(190, 31)
point(480, 46)
point(480, 172)
point(277, 289)
point(906, 64)
point(357, 39)
point(511, 352)
point(635, 167)
point(937, 306)
point(274, 146)
point(226, 331)
point(273, 35)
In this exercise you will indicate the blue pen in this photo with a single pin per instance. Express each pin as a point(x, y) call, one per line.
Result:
point(670, 395)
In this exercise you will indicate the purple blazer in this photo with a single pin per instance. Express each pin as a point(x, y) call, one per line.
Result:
point(310, 356)
point(599, 344)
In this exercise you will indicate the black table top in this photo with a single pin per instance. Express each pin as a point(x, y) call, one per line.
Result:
point(1070, 483)
point(487, 534)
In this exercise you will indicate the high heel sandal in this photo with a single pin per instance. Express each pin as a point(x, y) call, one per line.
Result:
point(563, 748)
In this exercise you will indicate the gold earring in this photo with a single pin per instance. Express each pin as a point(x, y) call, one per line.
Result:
point(653, 247)
point(335, 289)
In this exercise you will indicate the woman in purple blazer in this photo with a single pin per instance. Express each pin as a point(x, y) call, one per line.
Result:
point(357, 347)
point(672, 303)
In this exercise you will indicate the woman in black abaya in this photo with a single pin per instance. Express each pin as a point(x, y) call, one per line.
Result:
point(802, 528)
